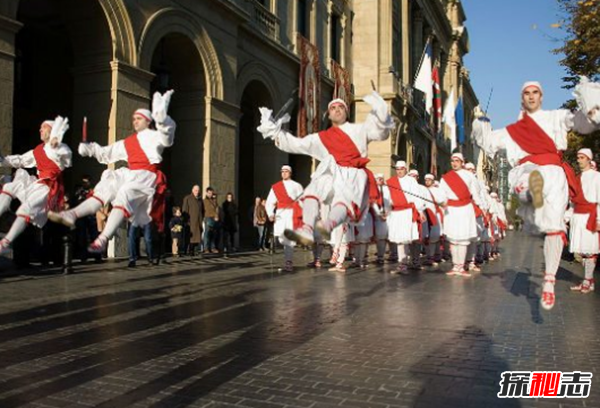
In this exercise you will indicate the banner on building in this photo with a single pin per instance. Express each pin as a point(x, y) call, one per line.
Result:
point(342, 87)
point(310, 88)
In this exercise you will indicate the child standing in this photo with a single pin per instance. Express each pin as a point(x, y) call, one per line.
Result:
point(176, 227)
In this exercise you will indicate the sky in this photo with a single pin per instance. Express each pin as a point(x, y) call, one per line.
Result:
point(510, 43)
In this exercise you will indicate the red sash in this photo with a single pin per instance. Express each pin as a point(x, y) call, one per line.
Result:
point(346, 154)
point(285, 201)
point(532, 139)
point(51, 175)
point(583, 206)
point(459, 188)
point(399, 201)
point(138, 160)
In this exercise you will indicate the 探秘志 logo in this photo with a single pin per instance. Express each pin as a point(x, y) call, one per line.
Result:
point(545, 384)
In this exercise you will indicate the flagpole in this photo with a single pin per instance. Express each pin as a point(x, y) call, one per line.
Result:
point(429, 37)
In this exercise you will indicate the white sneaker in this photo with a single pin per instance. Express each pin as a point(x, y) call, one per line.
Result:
point(303, 236)
point(99, 245)
point(66, 218)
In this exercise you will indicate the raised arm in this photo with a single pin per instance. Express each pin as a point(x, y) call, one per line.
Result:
point(490, 141)
point(19, 161)
point(309, 145)
point(165, 125)
point(379, 123)
point(104, 154)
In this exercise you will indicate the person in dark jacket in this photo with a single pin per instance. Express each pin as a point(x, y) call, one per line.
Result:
point(192, 213)
point(230, 223)
point(176, 228)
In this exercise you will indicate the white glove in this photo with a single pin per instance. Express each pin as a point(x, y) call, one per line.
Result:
point(587, 95)
point(86, 149)
point(268, 127)
point(160, 106)
point(378, 105)
point(60, 127)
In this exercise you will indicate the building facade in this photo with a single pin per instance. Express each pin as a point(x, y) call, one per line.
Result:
point(103, 59)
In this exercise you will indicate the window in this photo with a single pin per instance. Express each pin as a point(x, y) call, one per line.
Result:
point(335, 37)
point(301, 18)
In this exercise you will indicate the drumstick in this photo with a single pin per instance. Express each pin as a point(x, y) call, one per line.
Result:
point(84, 129)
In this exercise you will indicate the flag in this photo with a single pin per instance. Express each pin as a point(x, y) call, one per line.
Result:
point(449, 119)
point(309, 119)
point(460, 121)
point(423, 80)
point(437, 100)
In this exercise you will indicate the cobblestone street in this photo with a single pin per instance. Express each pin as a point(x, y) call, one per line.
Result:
point(233, 332)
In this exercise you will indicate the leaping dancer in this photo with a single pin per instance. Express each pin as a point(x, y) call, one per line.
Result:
point(341, 178)
point(136, 192)
point(37, 194)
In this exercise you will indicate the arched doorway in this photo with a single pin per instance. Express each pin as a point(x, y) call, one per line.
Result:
point(177, 65)
point(62, 65)
point(259, 161)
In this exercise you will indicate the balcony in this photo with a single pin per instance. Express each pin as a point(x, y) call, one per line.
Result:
point(263, 20)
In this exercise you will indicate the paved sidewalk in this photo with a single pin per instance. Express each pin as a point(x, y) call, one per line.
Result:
point(235, 333)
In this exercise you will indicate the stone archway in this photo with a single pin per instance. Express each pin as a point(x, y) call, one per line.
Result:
point(259, 161)
point(177, 65)
point(62, 67)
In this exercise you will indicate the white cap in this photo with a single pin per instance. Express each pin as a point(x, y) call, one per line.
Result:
point(286, 167)
point(429, 176)
point(400, 164)
point(379, 176)
point(470, 166)
point(532, 83)
point(414, 172)
point(48, 122)
point(458, 155)
point(586, 152)
point(145, 113)
point(337, 101)
point(494, 195)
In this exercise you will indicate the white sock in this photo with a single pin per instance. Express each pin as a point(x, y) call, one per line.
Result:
point(461, 255)
point(402, 254)
point(288, 253)
point(17, 227)
point(342, 254)
point(115, 219)
point(310, 211)
point(553, 246)
point(5, 201)
point(590, 265)
point(88, 207)
point(337, 216)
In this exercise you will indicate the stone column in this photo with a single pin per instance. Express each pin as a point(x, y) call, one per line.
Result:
point(222, 119)
point(8, 30)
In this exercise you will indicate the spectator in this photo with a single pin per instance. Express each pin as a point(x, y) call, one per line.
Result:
point(211, 219)
point(192, 216)
point(230, 222)
point(133, 244)
point(176, 227)
point(259, 219)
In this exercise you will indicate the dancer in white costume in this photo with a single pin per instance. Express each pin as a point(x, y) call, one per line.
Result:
point(460, 223)
point(284, 209)
point(341, 178)
point(585, 223)
point(435, 220)
point(539, 177)
point(482, 217)
point(405, 213)
point(132, 190)
point(379, 218)
point(38, 194)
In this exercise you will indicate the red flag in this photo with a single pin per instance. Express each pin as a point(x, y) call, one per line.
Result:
point(437, 99)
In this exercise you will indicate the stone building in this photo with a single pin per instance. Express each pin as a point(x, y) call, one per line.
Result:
point(104, 58)
point(225, 58)
point(390, 36)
